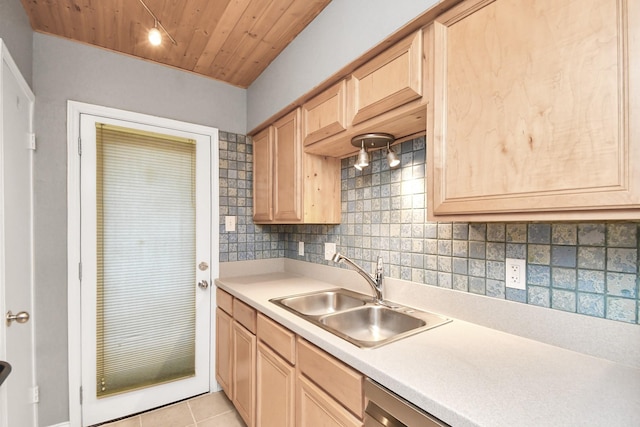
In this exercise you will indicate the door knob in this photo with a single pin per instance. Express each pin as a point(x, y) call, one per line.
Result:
point(203, 284)
point(21, 317)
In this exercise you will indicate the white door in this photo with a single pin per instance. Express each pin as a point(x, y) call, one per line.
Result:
point(98, 403)
point(16, 247)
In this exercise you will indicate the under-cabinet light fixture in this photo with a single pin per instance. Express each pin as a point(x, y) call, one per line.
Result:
point(392, 157)
point(373, 141)
point(363, 158)
point(155, 36)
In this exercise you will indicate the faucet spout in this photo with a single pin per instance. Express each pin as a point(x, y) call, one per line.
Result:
point(374, 281)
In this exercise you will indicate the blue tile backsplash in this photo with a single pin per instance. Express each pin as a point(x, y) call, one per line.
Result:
point(588, 268)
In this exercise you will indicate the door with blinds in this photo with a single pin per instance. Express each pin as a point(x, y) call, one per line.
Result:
point(145, 196)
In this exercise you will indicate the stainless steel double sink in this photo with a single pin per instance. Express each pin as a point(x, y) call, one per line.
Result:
point(357, 318)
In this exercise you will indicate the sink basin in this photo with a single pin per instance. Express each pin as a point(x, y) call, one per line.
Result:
point(372, 324)
point(357, 318)
point(320, 303)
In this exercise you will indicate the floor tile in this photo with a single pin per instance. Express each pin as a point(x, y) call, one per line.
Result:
point(177, 415)
point(230, 419)
point(209, 405)
point(129, 422)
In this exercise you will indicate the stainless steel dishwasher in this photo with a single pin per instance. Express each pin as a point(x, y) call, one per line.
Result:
point(386, 409)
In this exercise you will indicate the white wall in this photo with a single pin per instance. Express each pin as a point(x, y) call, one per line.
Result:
point(16, 33)
point(341, 33)
point(65, 70)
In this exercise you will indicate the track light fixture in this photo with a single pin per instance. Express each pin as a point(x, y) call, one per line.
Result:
point(363, 158)
point(392, 157)
point(373, 141)
point(155, 36)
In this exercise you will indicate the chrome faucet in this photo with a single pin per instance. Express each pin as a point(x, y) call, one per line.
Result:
point(374, 281)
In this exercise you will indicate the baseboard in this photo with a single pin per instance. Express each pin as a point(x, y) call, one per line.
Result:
point(65, 424)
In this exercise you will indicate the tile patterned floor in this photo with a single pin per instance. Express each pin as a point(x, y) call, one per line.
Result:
point(207, 410)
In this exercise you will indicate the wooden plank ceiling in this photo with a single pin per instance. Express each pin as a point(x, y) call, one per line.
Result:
point(228, 40)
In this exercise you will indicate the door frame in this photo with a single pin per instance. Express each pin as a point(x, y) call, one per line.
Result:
point(6, 57)
point(74, 110)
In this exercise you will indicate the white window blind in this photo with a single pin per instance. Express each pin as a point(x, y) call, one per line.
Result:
point(146, 258)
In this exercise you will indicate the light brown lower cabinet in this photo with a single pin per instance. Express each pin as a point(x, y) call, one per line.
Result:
point(244, 350)
point(244, 361)
point(236, 353)
point(317, 408)
point(275, 384)
point(224, 353)
point(275, 374)
point(327, 388)
point(277, 379)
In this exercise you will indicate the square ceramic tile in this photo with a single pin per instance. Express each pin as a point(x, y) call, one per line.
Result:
point(621, 309)
point(539, 254)
point(591, 234)
point(622, 235)
point(564, 234)
point(563, 278)
point(563, 300)
point(563, 256)
point(622, 285)
point(177, 415)
point(128, 422)
point(622, 260)
point(539, 296)
point(516, 233)
point(209, 405)
point(591, 304)
point(591, 281)
point(539, 233)
point(591, 257)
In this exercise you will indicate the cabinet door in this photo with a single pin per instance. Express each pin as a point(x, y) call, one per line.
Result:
point(325, 115)
point(244, 364)
point(262, 175)
point(287, 168)
point(224, 359)
point(340, 381)
point(317, 408)
point(535, 110)
point(275, 394)
point(390, 80)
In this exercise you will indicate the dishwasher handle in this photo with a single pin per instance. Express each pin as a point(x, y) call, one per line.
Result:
point(387, 409)
point(375, 416)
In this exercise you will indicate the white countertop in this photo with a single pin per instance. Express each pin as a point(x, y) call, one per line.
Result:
point(469, 375)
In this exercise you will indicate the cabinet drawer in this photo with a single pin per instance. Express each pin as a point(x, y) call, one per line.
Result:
point(281, 340)
point(245, 315)
point(224, 300)
point(325, 115)
point(337, 379)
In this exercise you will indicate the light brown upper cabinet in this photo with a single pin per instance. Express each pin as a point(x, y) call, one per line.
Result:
point(326, 114)
point(388, 81)
point(535, 111)
point(263, 176)
point(289, 186)
point(385, 94)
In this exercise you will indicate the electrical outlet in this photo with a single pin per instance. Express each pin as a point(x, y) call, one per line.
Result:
point(35, 394)
point(230, 223)
point(329, 251)
point(516, 273)
point(301, 248)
